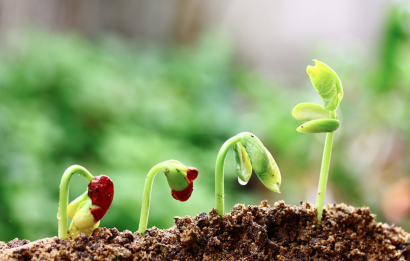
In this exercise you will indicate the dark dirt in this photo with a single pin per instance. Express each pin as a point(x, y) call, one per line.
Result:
point(247, 233)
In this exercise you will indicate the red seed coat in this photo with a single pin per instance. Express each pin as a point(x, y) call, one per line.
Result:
point(192, 174)
point(101, 192)
point(183, 195)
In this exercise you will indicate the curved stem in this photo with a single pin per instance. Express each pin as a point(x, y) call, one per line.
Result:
point(63, 201)
point(219, 173)
point(324, 172)
point(146, 197)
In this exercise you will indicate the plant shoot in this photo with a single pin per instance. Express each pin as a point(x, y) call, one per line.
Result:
point(180, 179)
point(249, 153)
point(321, 119)
point(87, 210)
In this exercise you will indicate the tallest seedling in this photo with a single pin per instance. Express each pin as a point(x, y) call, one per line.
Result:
point(321, 118)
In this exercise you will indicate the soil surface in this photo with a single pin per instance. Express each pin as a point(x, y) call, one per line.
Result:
point(262, 232)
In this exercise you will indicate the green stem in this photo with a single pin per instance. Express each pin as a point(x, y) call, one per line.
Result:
point(219, 173)
point(63, 202)
point(324, 172)
point(146, 197)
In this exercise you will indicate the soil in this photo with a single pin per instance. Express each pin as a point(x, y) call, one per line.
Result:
point(246, 233)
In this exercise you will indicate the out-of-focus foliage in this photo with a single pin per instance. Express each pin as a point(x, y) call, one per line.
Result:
point(118, 109)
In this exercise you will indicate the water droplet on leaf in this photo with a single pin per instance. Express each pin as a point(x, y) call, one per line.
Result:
point(243, 183)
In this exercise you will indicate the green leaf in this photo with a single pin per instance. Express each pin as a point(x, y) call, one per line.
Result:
point(256, 151)
point(242, 162)
point(327, 84)
point(83, 217)
point(309, 111)
point(77, 204)
point(271, 178)
point(318, 126)
point(261, 160)
point(176, 174)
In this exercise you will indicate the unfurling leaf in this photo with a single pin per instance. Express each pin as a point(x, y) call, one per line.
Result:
point(327, 84)
point(256, 151)
point(318, 126)
point(309, 111)
point(251, 151)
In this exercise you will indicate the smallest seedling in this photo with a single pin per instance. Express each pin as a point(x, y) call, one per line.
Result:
point(180, 179)
point(87, 210)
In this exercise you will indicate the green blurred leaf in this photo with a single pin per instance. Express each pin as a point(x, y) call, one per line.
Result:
point(318, 126)
point(309, 111)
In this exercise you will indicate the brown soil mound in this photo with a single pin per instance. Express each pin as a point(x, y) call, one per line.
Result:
point(247, 233)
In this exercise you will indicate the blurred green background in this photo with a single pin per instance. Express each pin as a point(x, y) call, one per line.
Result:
point(118, 106)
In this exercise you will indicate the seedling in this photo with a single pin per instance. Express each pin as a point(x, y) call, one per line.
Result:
point(249, 153)
point(321, 118)
point(180, 179)
point(87, 210)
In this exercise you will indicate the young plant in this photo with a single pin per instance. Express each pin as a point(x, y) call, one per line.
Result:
point(87, 210)
point(321, 118)
point(249, 153)
point(180, 179)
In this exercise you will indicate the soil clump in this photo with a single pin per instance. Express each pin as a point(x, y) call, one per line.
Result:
point(262, 232)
